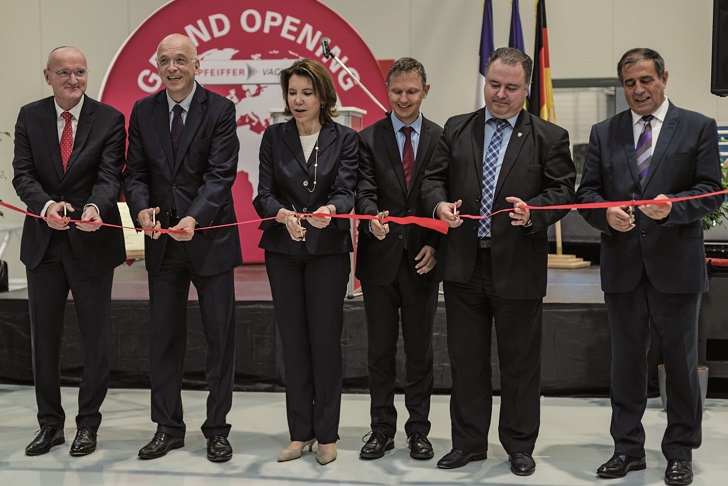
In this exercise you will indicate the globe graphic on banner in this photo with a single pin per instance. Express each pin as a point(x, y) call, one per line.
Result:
point(242, 47)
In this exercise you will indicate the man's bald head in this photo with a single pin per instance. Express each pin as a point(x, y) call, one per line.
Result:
point(177, 64)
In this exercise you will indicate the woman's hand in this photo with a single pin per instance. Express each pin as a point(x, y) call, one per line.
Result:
point(322, 222)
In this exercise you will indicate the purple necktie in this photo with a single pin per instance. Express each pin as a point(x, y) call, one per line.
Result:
point(644, 148)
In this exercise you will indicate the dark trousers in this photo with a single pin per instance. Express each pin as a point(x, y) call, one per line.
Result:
point(308, 298)
point(675, 317)
point(382, 304)
point(471, 309)
point(168, 292)
point(48, 286)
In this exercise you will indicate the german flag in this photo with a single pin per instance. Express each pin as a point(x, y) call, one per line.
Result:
point(541, 100)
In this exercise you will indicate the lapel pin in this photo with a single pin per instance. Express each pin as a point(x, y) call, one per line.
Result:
point(520, 133)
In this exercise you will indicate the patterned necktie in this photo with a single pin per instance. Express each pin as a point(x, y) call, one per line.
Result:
point(66, 140)
point(490, 164)
point(176, 132)
point(408, 154)
point(644, 148)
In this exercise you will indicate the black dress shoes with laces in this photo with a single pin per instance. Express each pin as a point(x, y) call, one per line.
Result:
point(84, 443)
point(47, 437)
point(376, 445)
point(619, 465)
point(679, 471)
point(522, 464)
point(457, 458)
point(219, 449)
point(160, 445)
point(420, 446)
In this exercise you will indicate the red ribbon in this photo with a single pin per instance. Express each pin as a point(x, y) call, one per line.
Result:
point(434, 224)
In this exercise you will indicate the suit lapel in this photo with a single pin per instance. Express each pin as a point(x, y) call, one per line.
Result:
point(50, 129)
point(161, 122)
point(422, 145)
point(478, 141)
point(389, 140)
point(85, 122)
point(667, 133)
point(627, 136)
point(293, 143)
point(192, 123)
point(327, 136)
point(519, 135)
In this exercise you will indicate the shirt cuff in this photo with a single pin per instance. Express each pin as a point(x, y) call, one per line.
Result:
point(45, 208)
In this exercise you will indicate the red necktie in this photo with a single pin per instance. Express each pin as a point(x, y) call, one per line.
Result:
point(66, 140)
point(408, 154)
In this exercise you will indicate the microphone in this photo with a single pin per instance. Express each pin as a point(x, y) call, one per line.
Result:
point(325, 46)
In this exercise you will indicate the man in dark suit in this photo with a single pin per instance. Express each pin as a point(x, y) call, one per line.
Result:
point(394, 267)
point(181, 165)
point(494, 159)
point(69, 152)
point(652, 258)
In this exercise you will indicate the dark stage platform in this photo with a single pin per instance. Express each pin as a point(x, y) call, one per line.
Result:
point(575, 337)
point(576, 348)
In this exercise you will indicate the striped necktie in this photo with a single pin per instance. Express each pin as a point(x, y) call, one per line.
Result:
point(644, 148)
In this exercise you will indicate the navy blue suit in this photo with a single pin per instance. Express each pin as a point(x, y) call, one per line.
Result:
point(653, 275)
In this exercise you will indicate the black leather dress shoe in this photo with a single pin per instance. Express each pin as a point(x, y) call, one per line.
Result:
point(160, 445)
point(420, 447)
point(679, 471)
point(619, 465)
point(47, 437)
point(522, 464)
point(457, 458)
point(84, 443)
point(376, 445)
point(219, 449)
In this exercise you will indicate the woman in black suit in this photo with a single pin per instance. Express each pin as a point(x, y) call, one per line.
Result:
point(308, 165)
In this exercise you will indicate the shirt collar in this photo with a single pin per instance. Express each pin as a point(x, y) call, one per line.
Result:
point(397, 124)
point(511, 121)
point(185, 103)
point(659, 113)
point(75, 111)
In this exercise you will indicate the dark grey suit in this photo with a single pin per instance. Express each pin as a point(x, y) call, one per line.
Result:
point(505, 283)
point(390, 282)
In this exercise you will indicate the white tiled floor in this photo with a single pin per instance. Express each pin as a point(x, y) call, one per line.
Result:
point(574, 440)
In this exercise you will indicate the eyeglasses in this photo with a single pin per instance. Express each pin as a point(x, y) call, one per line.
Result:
point(177, 61)
point(64, 73)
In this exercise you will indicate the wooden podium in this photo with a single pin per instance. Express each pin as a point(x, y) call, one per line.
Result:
point(559, 260)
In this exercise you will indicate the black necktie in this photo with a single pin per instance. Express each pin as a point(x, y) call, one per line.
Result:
point(177, 126)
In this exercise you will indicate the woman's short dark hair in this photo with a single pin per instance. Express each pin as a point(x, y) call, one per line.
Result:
point(323, 86)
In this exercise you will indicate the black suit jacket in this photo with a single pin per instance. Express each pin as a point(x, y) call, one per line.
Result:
point(198, 183)
point(685, 162)
point(93, 176)
point(285, 179)
point(381, 187)
point(537, 168)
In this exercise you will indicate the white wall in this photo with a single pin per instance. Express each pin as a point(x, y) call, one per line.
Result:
point(587, 38)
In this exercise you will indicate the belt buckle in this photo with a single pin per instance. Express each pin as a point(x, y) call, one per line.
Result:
point(484, 243)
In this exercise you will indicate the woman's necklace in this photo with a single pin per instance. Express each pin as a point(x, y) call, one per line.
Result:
point(312, 187)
